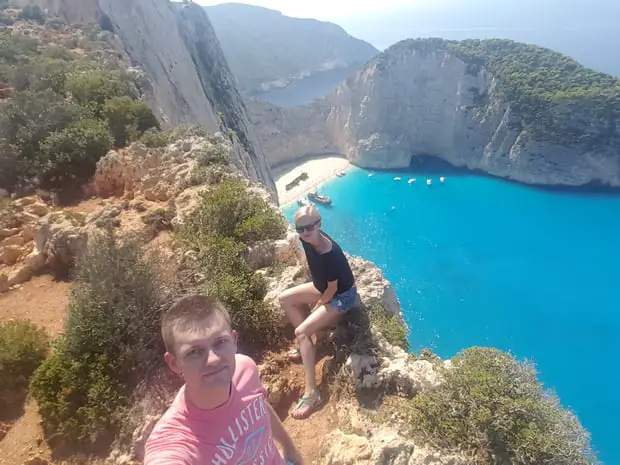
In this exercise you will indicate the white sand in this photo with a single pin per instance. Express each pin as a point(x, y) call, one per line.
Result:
point(319, 170)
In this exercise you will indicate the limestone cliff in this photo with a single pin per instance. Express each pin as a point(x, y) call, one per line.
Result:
point(511, 110)
point(188, 78)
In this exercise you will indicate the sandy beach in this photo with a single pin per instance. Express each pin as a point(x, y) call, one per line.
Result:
point(319, 170)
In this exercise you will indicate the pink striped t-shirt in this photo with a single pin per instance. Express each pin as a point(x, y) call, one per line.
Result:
point(236, 433)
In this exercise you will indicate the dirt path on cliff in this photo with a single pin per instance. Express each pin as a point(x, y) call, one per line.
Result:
point(307, 434)
point(42, 300)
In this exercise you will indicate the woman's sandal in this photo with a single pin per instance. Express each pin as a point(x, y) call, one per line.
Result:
point(307, 405)
point(294, 354)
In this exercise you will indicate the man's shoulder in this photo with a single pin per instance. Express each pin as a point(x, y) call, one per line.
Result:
point(246, 373)
point(170, 442)
point(245, 365)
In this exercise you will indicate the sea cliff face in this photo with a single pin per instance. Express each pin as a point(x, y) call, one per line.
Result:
point(188, 78)
point(431, 100)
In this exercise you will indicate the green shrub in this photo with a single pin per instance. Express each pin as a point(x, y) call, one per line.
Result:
point(116, 304)
point(31, 13)
point(73, 153)
point(92, 88)
point(231, 210)
point(128, 119)
point(494, 407)
point(111, 342)
point(25, 121)
point(155, 139)
point(23, 347)
point(16, 48)
point(228, 218)
point(221, 261)
point(80, 400)
point(389, 325)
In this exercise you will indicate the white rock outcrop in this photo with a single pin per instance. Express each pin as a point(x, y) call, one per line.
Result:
point(382, 447)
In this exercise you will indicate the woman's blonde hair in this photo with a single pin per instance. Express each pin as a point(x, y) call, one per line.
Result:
point(307, 211)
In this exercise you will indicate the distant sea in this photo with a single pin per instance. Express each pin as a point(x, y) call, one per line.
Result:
point(482, 262)
point(305, 91)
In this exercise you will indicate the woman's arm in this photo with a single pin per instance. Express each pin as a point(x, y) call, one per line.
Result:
point(328, 295)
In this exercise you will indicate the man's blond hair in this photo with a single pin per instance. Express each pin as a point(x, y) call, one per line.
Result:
point(307, 211)
point(187, 313)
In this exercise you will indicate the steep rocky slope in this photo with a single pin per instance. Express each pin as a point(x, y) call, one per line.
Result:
point(512, 110)
point(266, 49)
point(176, 48)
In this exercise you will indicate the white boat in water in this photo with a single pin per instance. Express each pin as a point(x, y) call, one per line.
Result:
point(397, 179)
point(442, 179)
point(412, 180)
point(429, 182)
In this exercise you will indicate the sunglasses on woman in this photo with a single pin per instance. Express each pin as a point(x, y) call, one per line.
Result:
point(309, 228)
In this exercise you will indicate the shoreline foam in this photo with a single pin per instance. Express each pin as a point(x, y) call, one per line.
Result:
point(320, 170)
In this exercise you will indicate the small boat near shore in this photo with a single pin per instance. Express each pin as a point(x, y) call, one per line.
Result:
point(340, 173)
point(318, 198)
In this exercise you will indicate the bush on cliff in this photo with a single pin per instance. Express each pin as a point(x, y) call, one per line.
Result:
point(231, 210)
point(127, 119)
point(160, 138)
point(389, 325)
point(23, 347)
point(492, 406)
point(80, 400)
point(73, 152)
point(228, 218)
point(111, 341)
point(47, 93)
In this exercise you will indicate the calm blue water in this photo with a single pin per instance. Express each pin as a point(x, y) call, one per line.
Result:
point(305, 91)
point(479, 261)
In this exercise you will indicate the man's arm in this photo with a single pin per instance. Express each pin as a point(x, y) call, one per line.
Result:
point(279, 434)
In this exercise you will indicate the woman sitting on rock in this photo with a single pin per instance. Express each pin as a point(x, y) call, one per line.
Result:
point(331, 293)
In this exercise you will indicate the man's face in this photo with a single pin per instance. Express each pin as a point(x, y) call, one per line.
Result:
point(205, 354)
point(308, 229)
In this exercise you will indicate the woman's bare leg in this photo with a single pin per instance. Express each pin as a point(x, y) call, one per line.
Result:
point(323, 317)
point(294, 300)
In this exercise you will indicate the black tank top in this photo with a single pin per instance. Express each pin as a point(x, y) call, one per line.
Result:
point(330, 266)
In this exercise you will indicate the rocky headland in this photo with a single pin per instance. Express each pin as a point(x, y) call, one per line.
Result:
point(508, 109)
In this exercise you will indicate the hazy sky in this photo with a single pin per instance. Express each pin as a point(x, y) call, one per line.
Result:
point(322, 9)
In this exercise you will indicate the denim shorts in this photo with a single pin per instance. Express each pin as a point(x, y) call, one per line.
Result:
point(345, 301)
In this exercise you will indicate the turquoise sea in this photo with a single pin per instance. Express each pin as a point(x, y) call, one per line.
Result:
point(480, 261)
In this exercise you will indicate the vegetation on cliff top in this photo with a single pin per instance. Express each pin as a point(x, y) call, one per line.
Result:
point(538, 82)
point(262, 45)
point(493, 407)
point(23, 347)
point(66, 98)
point(227, 221)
